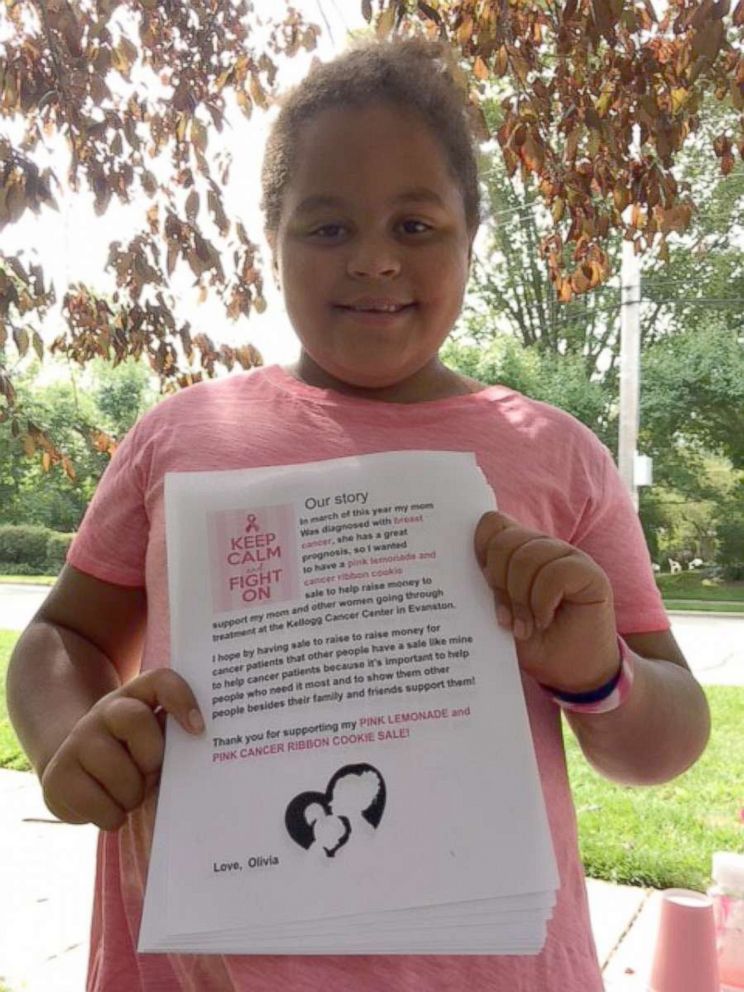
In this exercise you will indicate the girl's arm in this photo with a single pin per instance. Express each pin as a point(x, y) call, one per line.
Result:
point(86, 719)
point(558, 603)
point(84, 642)
point(661, 728)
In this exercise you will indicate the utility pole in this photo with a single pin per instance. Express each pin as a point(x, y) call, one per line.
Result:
point(630, 358)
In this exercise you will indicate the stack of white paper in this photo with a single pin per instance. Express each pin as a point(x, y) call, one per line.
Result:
point(367, 782)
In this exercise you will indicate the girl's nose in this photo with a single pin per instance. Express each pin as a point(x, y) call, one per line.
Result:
point(373, 257)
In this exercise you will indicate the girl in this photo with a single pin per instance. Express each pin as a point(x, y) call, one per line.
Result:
point(371, 200)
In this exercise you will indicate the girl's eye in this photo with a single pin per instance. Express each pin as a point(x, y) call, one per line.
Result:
point(415, 227)
point(327, 231)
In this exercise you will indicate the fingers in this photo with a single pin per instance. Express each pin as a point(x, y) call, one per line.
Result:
point(164, 688)
point(113, 756)
point(136, 726)
point(74, 796)
point(532, 574)
point(534, 559)
point(489, 526)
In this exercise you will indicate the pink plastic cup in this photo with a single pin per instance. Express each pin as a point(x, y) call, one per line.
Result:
point(685, 958)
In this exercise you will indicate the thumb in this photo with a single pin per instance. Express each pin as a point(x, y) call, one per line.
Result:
point(163, 689)
point(489, 525)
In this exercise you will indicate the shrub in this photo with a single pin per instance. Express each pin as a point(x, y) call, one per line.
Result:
point(23, 544)
point(30, 550)
point(19, 568)
point(56, 550)
point(679, 582)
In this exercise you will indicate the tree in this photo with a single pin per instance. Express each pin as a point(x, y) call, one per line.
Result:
point(138, 89)
point(582, 74)
point(136, 116)
point(68, 417)
point(559, 380)
point(694, 393)
point(72, 412)
point(511, 290)
point(121, 393)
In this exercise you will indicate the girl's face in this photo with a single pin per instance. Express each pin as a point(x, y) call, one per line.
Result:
point(373, 253)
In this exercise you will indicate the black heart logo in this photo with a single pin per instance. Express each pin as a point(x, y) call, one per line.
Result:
point(355, 797)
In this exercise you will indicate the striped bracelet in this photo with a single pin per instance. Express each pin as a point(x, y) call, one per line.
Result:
point(605, 698)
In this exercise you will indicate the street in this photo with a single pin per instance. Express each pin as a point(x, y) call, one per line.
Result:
point(713, 645)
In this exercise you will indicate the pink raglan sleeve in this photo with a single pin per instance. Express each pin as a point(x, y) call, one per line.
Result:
point(112, 540)
point(610, 532)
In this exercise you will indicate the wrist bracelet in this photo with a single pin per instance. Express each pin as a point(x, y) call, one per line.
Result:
point(606, 697)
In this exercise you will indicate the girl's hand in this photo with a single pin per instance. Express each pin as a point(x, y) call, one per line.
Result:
point(555, 599)
point(111, 759)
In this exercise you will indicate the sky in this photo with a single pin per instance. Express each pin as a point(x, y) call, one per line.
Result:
point(80, 239)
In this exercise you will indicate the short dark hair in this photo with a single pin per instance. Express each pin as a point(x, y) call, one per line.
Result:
point(414, 74)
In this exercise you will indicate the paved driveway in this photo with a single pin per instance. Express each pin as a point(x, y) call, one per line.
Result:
point(18, 605)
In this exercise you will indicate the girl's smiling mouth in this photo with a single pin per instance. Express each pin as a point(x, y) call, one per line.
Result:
point(375, 309)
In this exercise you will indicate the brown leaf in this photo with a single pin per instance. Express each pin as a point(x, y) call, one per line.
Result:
point(199, 135)
point(15, 203)
point(565, 292)
point(367, 10)
point(21, 338)
point(572, 144)
point(533, 153)
point(244, 102)
point(218, 213)
point(192, 205)
point(708, 40)
point(386, 21)
point(98, 89)
point(481, 69)
point(257, 93)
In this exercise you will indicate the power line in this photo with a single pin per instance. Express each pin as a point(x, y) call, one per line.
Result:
point(325, 21)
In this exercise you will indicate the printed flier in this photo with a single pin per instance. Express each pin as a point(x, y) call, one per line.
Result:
point(367, 748)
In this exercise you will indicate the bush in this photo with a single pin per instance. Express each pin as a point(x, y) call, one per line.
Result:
point(57, 545)
point(20, 568)
point(680, 582)
point(29, 550)
point(23, 544)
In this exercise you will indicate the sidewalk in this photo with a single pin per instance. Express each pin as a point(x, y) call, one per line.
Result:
point(46, 884)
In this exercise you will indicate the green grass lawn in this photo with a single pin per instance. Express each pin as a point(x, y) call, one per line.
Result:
point(703, 606)
point(11, 755)
point(664, 836)
point(28, 580)
point(693, 585)
point(661, 837)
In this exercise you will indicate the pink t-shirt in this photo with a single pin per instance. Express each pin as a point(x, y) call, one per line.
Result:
point(547, 471)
